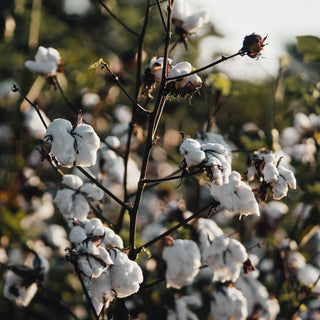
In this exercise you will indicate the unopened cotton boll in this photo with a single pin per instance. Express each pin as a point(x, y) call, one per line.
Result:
point(46, 61)
point(183, 263)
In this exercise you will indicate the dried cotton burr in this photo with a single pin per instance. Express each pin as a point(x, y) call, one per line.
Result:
point(47, 62)
point(182, 259)
point(72, 146)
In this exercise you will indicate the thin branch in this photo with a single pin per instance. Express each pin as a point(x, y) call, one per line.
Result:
point(104, 189)
point(169, 178)
point(223, 58)
point(116, 79)
point(117, 19)
point(176, 227)
point(15, 88)
point(59, 301)
point(74, 108)
point(161, 16)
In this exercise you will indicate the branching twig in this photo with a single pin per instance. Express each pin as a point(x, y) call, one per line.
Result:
point(117, 19)
point(15, 88)
point(116, 79)
point(161, 16)
point(104, 189)
point(176, 227)
point(223, 58)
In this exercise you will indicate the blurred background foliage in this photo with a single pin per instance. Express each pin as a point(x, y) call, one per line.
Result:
point(222, 104)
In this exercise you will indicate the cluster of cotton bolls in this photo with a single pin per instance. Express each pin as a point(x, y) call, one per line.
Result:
point(97, 254)
point(226, 187)
point(298, 141)
point(267, 167)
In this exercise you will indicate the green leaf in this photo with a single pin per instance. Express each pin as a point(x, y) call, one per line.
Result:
point(310, 47)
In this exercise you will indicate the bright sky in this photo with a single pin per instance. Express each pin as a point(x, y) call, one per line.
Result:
point(281, 20)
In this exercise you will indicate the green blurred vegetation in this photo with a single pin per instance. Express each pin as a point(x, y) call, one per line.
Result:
point(226, 104)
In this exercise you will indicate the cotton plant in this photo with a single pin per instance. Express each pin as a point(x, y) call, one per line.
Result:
point(20, 282)
point(120, 280)
point(227, 303)
point(72, 145)
point(226, 257)
point(183, 260)
point(47, 62)
point(182, 308)
point(266, 166)
point(72, 199)
point(213, 157)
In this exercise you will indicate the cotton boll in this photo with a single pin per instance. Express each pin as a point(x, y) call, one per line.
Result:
point(191, 149)
point(207, 230)
point(180, 10)
point(100, 291)
point(302, 122)
point(111, 238)
point(308, 275)
point(112, 142)
point(77, 235)
point(94, 227)
point(126, 275)
point(183, 262)
point(195, 21)
point(64, 201)
point(279, 188)
point(72, 181)
point(87, 144)
point(248, 204)
point(62, 142)
point(92, 191)
point(228, 303)
point(288, 176)
point(57, 237)
point(290, 136)
point(46, 61)
point(270, 171)
point(112, 164)
point(276, 209)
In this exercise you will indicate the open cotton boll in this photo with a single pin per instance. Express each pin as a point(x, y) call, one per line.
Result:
point(270, 171)
point(248, 204)
point(111, 238)
point(225, 256)
point(195, 21)
point(92, 191)
point(288, 176)
point(183, 263)
point(77, 235)
point(276, 209)
point(93, 227)
point(207, 230)
point(126, 275)
point(72, 181)
point(62, 142)
point(100, 291)
point(180, 10)
point(46, 61)
point(156, 66)
point(191, 150)
point(228, 303)
point(87, 145)
point(112, 142)
point(302, 122)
